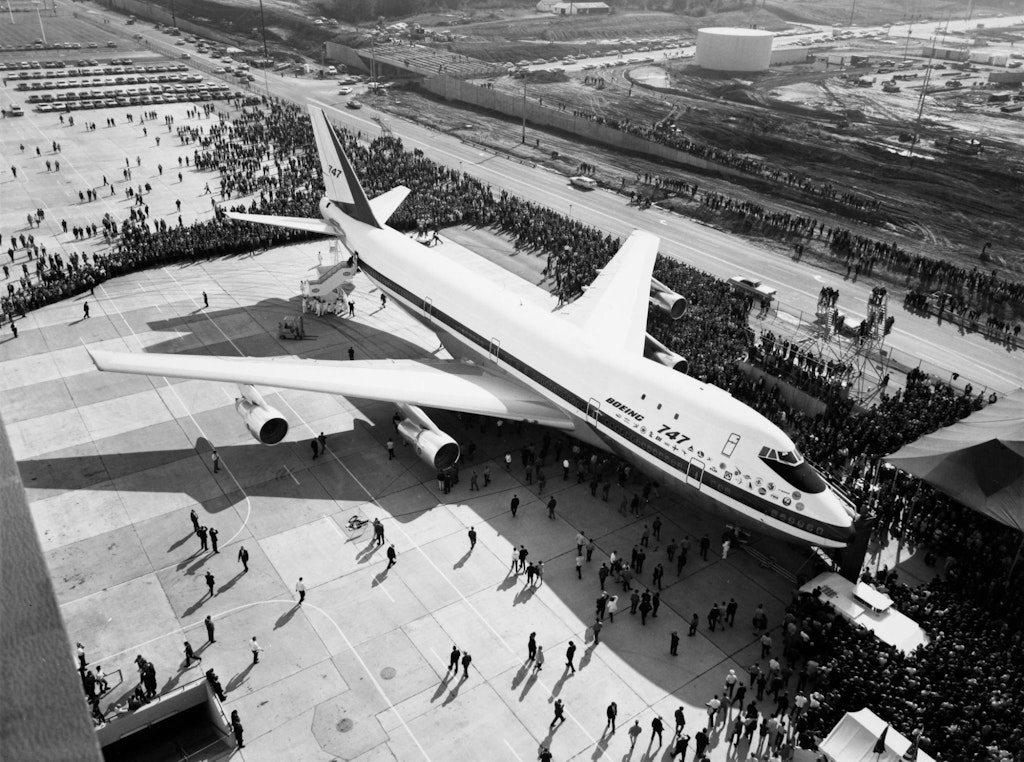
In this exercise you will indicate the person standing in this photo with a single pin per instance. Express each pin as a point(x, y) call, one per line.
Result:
point(693, 625)
point(559, 713)
point(300, 588)
point(202, 538)
point(390, 445)
point(701, 742)
point(213, 539)
point(730, 683)
point(538, 660)
point(209, 629)
point(392, 555)
point(243, 556)
point(515, 504)
point(80, 652)
point(579, 566)
point(531, 647)
point(611, 713)
point(322, 439)
point(680, 716)
point(590, 549)
point(315, 447)
point(713, 706)
point(730, 612)
point(255, 648)
point(596, 626)
point(551, 507)
point(472, 538)
point(209, 582)
point(570, 654)
point(216, 461)
point(673, 648)
point(85, 310)
point(466, 661)
point(705, 545)
point(236, 722)
point(612, 607)
point(206, 300)
point(195, 520)
point(378, 532)
point(453, 660)
point(602, 574)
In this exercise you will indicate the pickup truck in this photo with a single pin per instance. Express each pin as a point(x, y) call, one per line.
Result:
point(752, 287)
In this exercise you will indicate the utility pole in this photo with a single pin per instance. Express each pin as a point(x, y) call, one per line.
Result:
point(852, 8)
point(524, 109)
point(174, 18)
point(42, 32)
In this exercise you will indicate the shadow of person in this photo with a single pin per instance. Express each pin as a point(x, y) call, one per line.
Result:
point(557, 688)
point(526, 687)
point(524, 595)
point(520, 675)
point(508, 583)
point(441, 687)
point(454, 692)
point(461, 562)
point(602, 744)
point(366, 554)
point(196, 606)
point(286, 616)
point(182, 541)
point(379, 579)
point(230, 583)
point(239, 680)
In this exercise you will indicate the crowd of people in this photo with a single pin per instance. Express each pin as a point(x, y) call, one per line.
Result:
point(964, 689)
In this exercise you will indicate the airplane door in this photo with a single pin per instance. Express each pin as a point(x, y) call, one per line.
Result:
point(695, 473)
point(494, 351)
point(428, 308)
point(593, 411)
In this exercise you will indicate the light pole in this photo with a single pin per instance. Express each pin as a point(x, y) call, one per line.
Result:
point(266, 55)
point(852, 8)
point(42, 32)
point(523, 140)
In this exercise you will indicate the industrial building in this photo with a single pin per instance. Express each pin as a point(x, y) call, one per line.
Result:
point(734, 49)
point(572, 8)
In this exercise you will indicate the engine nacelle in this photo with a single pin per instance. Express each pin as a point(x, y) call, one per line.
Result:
point(655, 350)
point(266, 424)
point(667, 300)
point(434, 447)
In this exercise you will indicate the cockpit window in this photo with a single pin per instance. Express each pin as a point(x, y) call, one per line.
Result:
point(792, 467)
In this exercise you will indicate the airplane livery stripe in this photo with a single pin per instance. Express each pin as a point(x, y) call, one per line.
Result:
point(695, 472)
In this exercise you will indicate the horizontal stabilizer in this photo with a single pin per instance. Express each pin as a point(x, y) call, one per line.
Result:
point(386, 203)
point(295, 223)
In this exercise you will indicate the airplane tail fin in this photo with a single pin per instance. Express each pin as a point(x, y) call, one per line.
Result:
point(342, 185)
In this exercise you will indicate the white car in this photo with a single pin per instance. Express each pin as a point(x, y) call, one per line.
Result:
point(752, 286)
point(344, 90)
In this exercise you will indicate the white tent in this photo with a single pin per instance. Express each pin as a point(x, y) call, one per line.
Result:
point(854, 737)
point(978, 461)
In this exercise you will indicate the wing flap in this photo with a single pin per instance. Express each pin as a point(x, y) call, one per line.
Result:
point(614, 307)
point(449, 385)
point(295, 223)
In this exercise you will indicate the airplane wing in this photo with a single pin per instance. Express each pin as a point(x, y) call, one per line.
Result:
point(449, 385)
point(385, 204)
point(295, 223)
point(614, 306)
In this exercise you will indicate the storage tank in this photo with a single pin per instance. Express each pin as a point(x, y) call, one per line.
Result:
point(729, 49)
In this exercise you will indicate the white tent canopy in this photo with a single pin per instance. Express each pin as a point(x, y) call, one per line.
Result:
point(854, 737)
point(978, 461)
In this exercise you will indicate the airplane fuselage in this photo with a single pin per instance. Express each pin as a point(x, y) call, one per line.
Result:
point(674, 428)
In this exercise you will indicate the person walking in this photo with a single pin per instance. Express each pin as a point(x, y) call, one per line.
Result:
point(190, 655)
point(515, 504)
point(613, 607)
point(634, 733)
point(202, 538)
point(80, 653)
point(472, 538)
point(570, 654)
point(85, 310)
point(596, 626)
point(453, 660)
point(390, 445)
point(300, 588)
point(236, 722)
point(602, 573)
point(209, 629)
point(657, 727)
point(209, 582)
point(378, 532)
point(701, 741)
point(559, 713)
point(673, 647)
point(611, 713)
point(392, 555)
point(531, 647)
point(705, 545)
point(680, 717)
point(466, 661)
point(243, 556)
point(713, 706)
point(206, 300)
point(693, 625)
point(255, 648)
point(579, 566)
point(551, 507)
point(195, 520)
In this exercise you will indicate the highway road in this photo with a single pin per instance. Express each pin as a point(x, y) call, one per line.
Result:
point(974, 358)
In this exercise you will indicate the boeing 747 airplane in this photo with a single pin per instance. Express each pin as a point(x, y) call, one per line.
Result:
point(590, 370)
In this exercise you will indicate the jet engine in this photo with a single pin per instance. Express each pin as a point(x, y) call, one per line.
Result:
point(655, 350)
point(667, 300)
point(266, 424)
point(433, 446)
